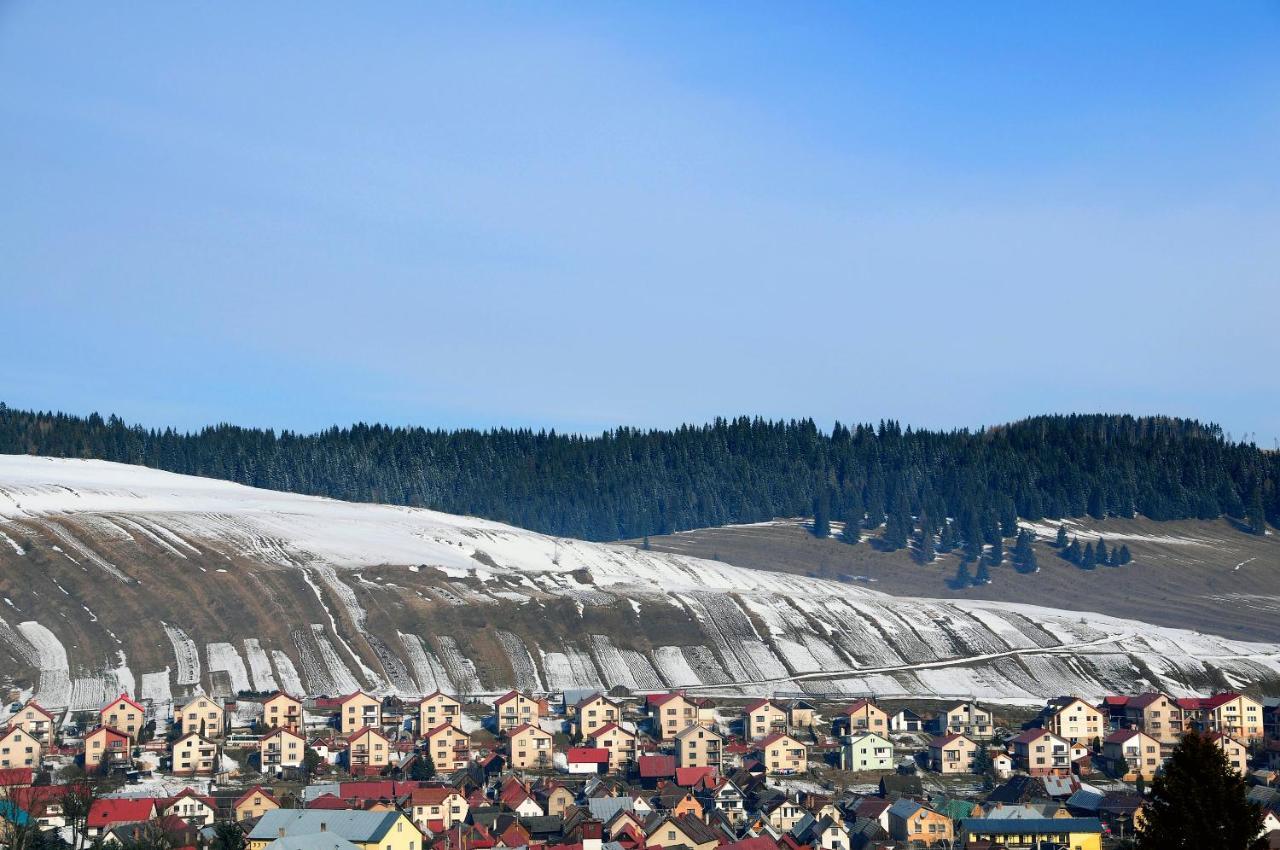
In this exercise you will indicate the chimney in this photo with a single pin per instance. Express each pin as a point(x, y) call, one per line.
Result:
point(324, 827)
point(280, 832)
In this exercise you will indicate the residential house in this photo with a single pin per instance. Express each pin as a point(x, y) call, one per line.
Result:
point(514, 709)
point(782, 754)
point(368, 751)
point(592, 713)
point(699, 746)
point(19, 749)
point(912, 821)
point(1157, 714)
point(954, 753)
point(1040, 752)
point(801, 714)
point(530, 748)
point(436, 708)
point(252, 804)
point(1231, 713)
point(863, 715)
point(191, 808)
point(281, 711)
point(195, 755)
point(866, 751)
point(906, 721)
point(586, 760)
point(367, 830)
point(663, 829)
point(821, 833)
point(965, 718)
point(621, 744)
point(1074, 719)
point(783, 813)
point(671, 713)
point(123, 715)
point(280, 749)
point(724, 796)
point(104, 749)
point(1237, 753)
point(202, 716)
point(1029, 832)
point(33, 719)
point(437, 808)
point(1002, 764)
point(108, 812)
point(1132, 753)
point(359, 711)
point(449, 746)
point(763, 718)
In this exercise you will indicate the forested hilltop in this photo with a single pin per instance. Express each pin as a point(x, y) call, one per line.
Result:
point(629, 483)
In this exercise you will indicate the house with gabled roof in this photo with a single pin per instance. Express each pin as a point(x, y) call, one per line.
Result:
point(389, 830)
point(866, 751)
point(1040, 752)
point(436, 708)
point(906, 720)
point(282, 711)
point(954, 753)
point(1074, 720)
point(104, 749)
point(124, 715)
point(670, 714)
point(191, 807)
point(514, 709)
point(666, 830)
point(1233, 714)
point(254, 803)
point(862, 715)
point(195, 755)
point(368, 751)
point(359, 711)
point(594, 712)
point(108, 812)
point(762, 718)
point(280, 749)
point(620, 742)
point(782, 754)
point(1131, 753)
point(449, 746)
point(699, 746)
point(203, 716)
point(441, 806)
point(35, 720)
point(913, 821)
point(1236, 752)
point(530, 748)
point(19, 748)
point(966, 718)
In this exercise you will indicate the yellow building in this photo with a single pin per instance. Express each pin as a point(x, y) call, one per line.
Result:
point(202, 716)
point(254, 803)
point(195, 755)
point(762, 718)
point(862, 716)
point(282, 711)
point(594, 712)
point(699, 746)
point(514, 709)
point(449, 746)
point(123, 715)
point(1076, 833)
point(670, 714)
point(368, 751)
point(368, 830)
point(279, 749)
point(531, 748)
point(436, 708)
point(34, 720)
point(1075, 720)
point(620, 742)
point(437, 808)
point(784, 754)
point(19, 748)
point(359, 710)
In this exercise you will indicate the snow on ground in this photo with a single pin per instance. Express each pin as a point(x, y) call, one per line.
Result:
point(13, 543)
point(186, 654)
point(1048, 530)
point(223, 657)
point(521, 659)
point(462, 671)
point(290, 681)
point(338, 672)
point(259, 665)
point(156, 689)
point(54, 690)
point(674, 668)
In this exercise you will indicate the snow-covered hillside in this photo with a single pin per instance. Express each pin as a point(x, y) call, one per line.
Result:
point(212, 583)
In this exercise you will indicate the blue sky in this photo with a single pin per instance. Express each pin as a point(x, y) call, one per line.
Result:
point(581, 215)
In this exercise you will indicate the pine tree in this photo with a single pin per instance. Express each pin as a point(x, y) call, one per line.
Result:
point(898, 526)
point(1088, 560)
point(972, 546)
point(963, 578)
point(1199, 801)
point(821, 517)
point(1024, 553)
point(852, 522)
point(996, 553)
point(949, 539)
point(1072, 553)
point(645, 545)
point(924, 542)
point(1124, 557)
point(1254, 513)
point(983, 576)
point(1101, 551)
point(1061, 540)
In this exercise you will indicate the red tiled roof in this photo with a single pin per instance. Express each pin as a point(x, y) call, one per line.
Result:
point(760, 703)
point(946, 739)
point(126, 698)
point(38, 707)
point(776, 736)
point(654, 767)
point(608, 727)
point(688, 777)
point(588, 755)
point(351, 696)
point(524, 726)
point(1144, 700)
point(12, 777)
point(363, 729)
point(1030, 735)
point(1115, 700)
point(257, 789)
point(858, 705)
point(105, 812)
point(432, 796)
point(1120, 736)
point(447, 723)
point(327, 802)
point(507, 697)
point(1218, 700)
point(656, 700)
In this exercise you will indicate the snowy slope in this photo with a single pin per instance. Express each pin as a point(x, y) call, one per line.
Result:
point(378, 593)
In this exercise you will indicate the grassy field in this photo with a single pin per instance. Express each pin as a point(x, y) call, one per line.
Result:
point(1203, 575)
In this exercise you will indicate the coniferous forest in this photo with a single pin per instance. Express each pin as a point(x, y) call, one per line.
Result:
point(630, 483)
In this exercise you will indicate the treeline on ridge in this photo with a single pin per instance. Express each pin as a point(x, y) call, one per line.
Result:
point(627, 483)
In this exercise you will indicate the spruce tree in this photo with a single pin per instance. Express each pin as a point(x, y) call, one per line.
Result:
point(1061, 540)
point(996, 554)
point(963, 578)
point(1024, 553)
point(1072, 553)
point(1198, 801)
point(983, 576)
point(949, 539)
point(1255, 515)
point(1101, 551)
point(1088, 560)
point(821, 517)
point(924, 541)
point(1124, 557)
point(852, 522)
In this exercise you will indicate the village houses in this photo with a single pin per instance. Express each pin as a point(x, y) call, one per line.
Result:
point(530, 748)
point(862, 715)
point(699, 746)
point(1132, 753)
point(281, 749)
point(438, 707)
point(671, 713)
point(783, 754)
point(1040, 752)
point(620, 742)
point(202, 716)
point(359, 711)
point(954, 753)
point(253, 804)
point(35, 721)
point(449, 746)
point(592, 713)
point(866, 751)
point(19, 748)
point(1075, 720)
point(966, 718)
point(195, 755)
point(281, 711)
point(123, 715)
point(368, 751)
point(762, 718)
point(514, 709)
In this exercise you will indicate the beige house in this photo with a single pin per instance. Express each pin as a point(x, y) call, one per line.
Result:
point(202, 716)
point(954, 753)
point(359, 711)
point(449, 746)
point(919, 824)
point(531, 748)
point(1236, 752)
point(762, 718)
point(190, 807)
point(668, 830)
point(1156, 714)
point(368, 751)
point(1039, 752)
point(123, 715)
point(280, 749)
point(1231, 713)
point(966, 718)
point(593, 713)
point(438, 808)
point(699, 746)
point(783, 754)
point(105, 748)
point(862, 716)
point(35, 721)
point(19, 748)
point(253, 803)
point(620, 743)
point(437, 708)
point(282, 711)
point(670, 714)
point(801, 714)
point(1132, 753)
point(514, 709)
point(195, 755)
point(1075, 720)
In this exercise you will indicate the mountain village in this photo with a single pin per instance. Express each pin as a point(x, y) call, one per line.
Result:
point(584, 770)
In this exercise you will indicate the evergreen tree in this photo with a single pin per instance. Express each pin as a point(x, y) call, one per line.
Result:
point(850, 533)
point(1124, 557)
point(983, 576)
point(996, 554)
point(423, 768)
point(963, 579)
point(1101, 552)
point(1089, 559)
point(1199, 801)
point(1255, 515)
point(1073, 552)
point(924, 542)
point(1061, 540)
point(228, 835)
point(1024, 553)
point(898, 525)
point(949, 539)
point(982, 760)
point(1008, 518)
point(645, 545)
point(821, 517)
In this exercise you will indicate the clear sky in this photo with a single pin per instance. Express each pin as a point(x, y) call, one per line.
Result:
point(578, 215)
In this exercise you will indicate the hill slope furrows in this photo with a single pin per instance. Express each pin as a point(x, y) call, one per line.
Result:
point(232, 587)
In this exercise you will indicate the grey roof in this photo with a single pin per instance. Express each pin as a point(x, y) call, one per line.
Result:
point(1085, 799)
point(1058, 786)
point(1016, 826)
point(604, 808)
point(317, 841)
point(319, 789)
point(1028, 811)
point(356, 826)
point(904, 808)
